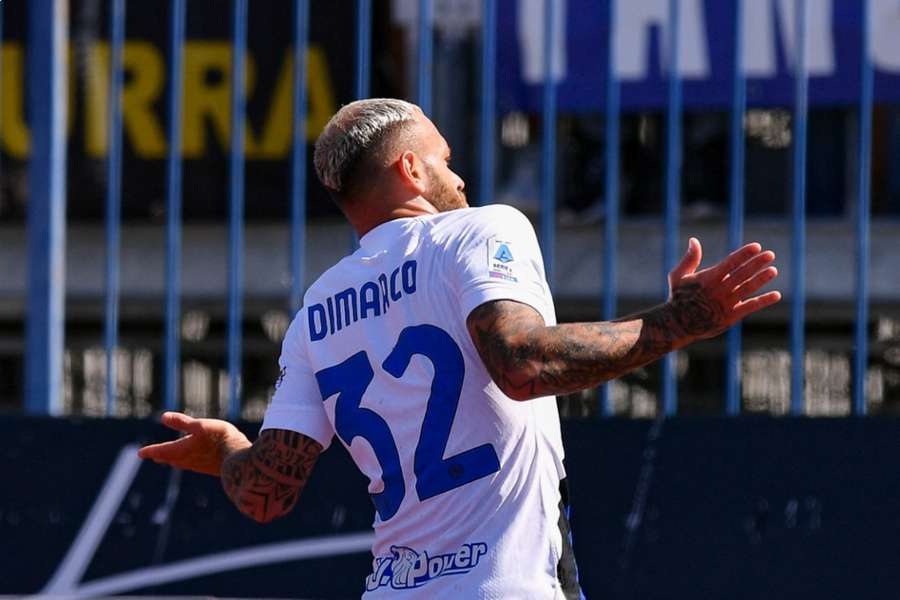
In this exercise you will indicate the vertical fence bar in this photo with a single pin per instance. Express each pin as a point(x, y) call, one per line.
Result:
point(113, 197)
point(736, 217)
point(548, 147)
point(611, 226)
point(426, 48)
point(236, 213)
point(863, 213)
point(1, 76)
point(363, 47)
point(673, 190)
point(173, 213)
point(798, 246)
point(298, 156)
point(48, 22)
point(363, 68)
point(488, 130)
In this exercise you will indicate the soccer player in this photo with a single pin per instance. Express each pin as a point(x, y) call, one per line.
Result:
point(433, 355)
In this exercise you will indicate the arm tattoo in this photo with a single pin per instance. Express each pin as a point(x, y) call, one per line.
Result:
point(265, 480)
point(527, 360)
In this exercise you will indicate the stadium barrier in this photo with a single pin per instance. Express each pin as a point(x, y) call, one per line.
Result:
point(696, 508)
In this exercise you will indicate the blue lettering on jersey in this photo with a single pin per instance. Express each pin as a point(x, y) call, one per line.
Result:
point(406, 568)
point(346, 307)
point(503, 254)
point(371, 299)
point(369, 294)
point(395, 291)
point(385, 301)
point(318, 324)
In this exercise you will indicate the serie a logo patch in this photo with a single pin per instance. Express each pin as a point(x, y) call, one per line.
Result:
point(501, 260)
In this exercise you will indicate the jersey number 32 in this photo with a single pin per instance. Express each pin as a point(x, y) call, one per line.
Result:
point(434, 473)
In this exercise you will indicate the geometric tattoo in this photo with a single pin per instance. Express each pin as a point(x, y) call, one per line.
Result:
point(265, 480)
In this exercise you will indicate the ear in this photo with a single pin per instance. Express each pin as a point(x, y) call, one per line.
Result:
point(412, 172)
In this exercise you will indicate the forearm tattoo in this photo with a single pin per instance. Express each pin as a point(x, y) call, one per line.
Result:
point(528, 360)
point(265, 480)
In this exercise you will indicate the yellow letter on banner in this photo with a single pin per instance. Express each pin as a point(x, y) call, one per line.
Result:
point(140, 91)
point(207, 95)
point(277, 133)
point(15, 135)
point(96, 100)
point(144, 63)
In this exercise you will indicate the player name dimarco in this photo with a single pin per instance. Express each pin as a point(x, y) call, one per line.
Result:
point(372, 299)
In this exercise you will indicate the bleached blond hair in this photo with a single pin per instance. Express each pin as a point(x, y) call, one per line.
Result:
point(357, 131)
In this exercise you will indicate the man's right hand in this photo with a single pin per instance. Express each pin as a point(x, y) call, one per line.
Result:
point(705, 303)
point(207, 443)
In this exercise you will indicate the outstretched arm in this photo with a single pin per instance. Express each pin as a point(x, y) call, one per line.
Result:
point(263, 479)
point(527, 359)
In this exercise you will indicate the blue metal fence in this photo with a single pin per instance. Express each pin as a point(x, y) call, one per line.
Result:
point(363, 47)
point(611, 194)
point(548, 145)
point(487, 124)
point(114, 197)
point(798, 246)
point(863, 208)
point(298, 154)
point(48, 36)
point(672, 189)
point(236, 212)
point(363, 66)
point(172, 355)
point(425, 55)
point(736, 207)
point(47, 68)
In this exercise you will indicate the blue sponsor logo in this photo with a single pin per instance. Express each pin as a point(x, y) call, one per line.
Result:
point(406, 568)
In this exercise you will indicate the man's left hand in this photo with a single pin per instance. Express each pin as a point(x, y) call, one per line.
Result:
point(207, 443)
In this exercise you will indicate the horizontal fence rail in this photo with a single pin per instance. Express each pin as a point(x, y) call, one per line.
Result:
point(47, 68)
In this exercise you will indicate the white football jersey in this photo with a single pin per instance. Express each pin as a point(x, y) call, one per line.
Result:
point(465, 480)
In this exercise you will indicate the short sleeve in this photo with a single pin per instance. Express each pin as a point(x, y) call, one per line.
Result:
point(499, 259)
point(297, 404)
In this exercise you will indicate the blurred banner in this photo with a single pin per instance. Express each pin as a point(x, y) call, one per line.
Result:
point(206, 131)
point(833, 30)
point(686, 508)
point(833, 34)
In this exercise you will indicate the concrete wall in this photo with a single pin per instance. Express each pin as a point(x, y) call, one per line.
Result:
point(830, 273)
